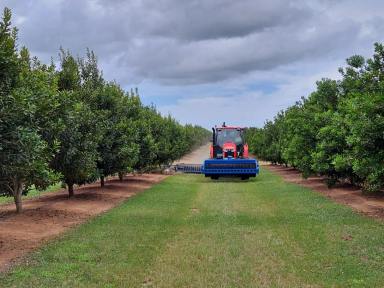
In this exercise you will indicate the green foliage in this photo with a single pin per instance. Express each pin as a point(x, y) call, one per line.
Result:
point(117, 148)
point(9, 68)
point(337, 131)
point(299, 137)
point(77, 155)
point(79, 135)
point(365, 121)
point(69, 75)
point(69, 124)
point(28, 102)
point(265, 143)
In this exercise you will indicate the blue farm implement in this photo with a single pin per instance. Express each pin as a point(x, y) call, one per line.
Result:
point(228, 156)
point(243, 168)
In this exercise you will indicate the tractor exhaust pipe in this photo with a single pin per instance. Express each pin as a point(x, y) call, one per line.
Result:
point(213, 136)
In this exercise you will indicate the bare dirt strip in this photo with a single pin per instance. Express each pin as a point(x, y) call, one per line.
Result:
point(48, 216)
point(195, 157)
point(345, 194)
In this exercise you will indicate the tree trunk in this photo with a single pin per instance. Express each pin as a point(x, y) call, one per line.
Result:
point(18, 202)
point(121, 176)
point(17, 191)
point(70, 190)
point(102, 183)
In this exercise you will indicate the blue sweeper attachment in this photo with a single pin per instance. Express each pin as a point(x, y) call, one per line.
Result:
point(230, 167)
point(215, 168)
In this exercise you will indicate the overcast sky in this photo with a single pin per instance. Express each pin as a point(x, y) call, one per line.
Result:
point(207, 61)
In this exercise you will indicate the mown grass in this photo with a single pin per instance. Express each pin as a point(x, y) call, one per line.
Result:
point(189, 231)
point(33, 193)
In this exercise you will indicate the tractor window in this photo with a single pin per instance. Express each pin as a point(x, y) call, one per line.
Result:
point(228, 135)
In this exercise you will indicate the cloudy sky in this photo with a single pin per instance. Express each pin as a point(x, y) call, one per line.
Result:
point(207, 61)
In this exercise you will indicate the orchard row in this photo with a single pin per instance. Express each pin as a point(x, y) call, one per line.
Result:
point(337, 132)
point(69, 124)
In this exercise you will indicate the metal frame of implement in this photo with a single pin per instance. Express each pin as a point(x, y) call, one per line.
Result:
point(189, 168)
point(222, 167)
point(230, 167)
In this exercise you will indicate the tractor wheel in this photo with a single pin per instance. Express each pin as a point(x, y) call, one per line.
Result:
point(244, 177)
point(214, 177)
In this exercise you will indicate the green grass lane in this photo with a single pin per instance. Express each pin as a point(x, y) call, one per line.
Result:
point(189, 231)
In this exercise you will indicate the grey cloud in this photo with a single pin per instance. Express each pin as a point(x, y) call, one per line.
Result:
point(173, 61)
point(200, 20)
point(199, 41)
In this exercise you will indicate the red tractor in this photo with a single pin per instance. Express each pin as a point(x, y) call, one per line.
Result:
point(229, 155)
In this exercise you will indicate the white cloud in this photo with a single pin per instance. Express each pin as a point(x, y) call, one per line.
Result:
point(247, 107)
point(206, 60)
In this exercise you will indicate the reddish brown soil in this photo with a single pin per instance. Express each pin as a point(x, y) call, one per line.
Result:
point(344, 194)
point(45, 217)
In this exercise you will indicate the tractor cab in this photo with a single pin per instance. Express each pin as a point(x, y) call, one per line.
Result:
point(228, 142)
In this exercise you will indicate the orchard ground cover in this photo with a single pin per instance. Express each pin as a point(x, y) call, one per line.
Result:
point(191, 231)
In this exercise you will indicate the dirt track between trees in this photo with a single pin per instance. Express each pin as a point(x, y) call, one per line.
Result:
point(48, 216)
point(345, 194)
point(197, 156)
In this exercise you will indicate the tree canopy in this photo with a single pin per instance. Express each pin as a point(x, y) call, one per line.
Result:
point(337, 132)
point(69, 124)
